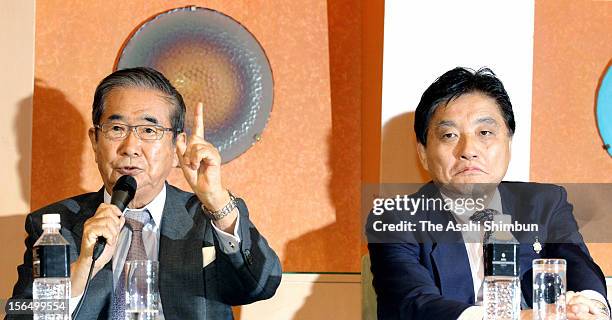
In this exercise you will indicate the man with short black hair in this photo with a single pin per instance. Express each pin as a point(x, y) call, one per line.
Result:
point(210, 254)
point(464, 125)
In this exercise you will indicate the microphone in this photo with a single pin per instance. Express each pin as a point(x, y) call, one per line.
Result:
point(123, 192)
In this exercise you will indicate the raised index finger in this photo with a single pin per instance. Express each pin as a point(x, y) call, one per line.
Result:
point(198, 120)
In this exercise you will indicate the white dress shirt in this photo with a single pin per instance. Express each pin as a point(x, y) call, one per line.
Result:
point(473, 247)
point(150, 236)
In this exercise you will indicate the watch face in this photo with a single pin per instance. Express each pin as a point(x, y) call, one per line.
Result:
point(209, 57)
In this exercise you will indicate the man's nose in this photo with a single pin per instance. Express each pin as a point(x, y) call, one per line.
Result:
point(467, 148)
point(131, 145)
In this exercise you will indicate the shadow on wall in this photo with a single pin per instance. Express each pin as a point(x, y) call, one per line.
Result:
point(400, 161)
point(333, 242)
point(59, 135)
point(329, 248)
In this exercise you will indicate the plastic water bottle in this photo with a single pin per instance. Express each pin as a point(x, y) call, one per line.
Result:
point(51, 270)
point(502, 286)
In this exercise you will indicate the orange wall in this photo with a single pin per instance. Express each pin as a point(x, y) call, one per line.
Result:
point(301, 181)
point(372, 23)
point(371, 87)
point(571, 51)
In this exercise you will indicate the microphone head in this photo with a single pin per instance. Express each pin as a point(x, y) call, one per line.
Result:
point(126, 184)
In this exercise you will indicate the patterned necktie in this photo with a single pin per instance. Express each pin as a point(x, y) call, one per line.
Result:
point(135, 220)
point(482, 216)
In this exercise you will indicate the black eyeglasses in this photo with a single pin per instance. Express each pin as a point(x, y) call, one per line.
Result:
point(146, 132)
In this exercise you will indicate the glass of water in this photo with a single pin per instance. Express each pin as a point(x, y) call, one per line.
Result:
point(549, 285)
point(142, 292)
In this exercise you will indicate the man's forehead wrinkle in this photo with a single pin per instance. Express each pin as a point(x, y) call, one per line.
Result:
point(146, 117)
point(487, 120)
point(446, 123)
point(482, 120)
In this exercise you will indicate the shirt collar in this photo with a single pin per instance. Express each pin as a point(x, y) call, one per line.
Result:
point(495, 203)
point(155, 207)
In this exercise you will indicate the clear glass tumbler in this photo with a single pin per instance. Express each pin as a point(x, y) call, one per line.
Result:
point(549, 285)
point(142, 291)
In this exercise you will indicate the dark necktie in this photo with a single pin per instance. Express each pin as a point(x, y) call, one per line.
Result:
point(135, 220)
point(483, 216)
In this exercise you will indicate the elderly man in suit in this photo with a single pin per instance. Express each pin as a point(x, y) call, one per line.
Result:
point(464, 125)
point(210, 254)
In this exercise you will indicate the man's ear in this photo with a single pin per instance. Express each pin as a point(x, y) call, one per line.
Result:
point(510, 147)
point(180, 138)
point(422, 155)
point(94, 141)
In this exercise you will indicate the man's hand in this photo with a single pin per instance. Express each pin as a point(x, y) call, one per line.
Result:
point(527, 314)
point(580, 307)
point(201, 165)
point(106, 222)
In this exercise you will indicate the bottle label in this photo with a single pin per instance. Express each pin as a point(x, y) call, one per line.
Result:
point(501, 259)
point(51, 261)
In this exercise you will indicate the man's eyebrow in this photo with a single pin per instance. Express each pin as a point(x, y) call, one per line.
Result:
point(151, 119)
point(115, 117)
point(446, 123)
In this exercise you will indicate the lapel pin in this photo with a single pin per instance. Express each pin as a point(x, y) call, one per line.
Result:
point(537, 246)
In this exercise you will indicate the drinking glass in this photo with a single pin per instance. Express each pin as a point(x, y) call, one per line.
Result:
point(549, 285)
point(142, 292)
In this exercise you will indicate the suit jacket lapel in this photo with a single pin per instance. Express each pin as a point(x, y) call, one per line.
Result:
point(521, 211)
point(180, 255)
point(87, 210)
point(453, 267)
point(524, 213)
point(450, 256)
point(97, 301)
point(176, 221)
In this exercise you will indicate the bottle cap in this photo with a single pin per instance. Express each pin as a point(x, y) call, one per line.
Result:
point(51, 218)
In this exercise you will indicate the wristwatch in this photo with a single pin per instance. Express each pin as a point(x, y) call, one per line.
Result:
point(223, 212)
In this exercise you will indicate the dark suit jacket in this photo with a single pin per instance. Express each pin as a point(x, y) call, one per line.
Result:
point(187, 290)
point(425, 278)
